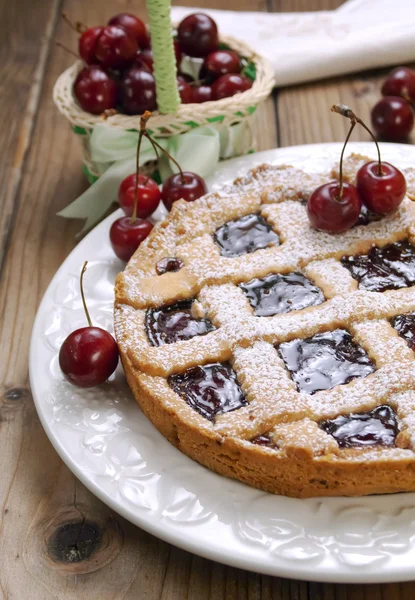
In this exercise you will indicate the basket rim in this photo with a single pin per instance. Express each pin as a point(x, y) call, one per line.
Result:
point(66, 103)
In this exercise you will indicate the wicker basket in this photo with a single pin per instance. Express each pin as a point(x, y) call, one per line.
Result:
point(220, 113)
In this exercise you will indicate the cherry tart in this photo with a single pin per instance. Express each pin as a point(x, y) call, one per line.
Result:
point(272, 352)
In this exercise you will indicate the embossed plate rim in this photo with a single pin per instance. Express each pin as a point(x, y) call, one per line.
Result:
point(351, 540)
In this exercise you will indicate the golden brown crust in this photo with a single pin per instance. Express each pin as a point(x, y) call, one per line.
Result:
point(306, 461)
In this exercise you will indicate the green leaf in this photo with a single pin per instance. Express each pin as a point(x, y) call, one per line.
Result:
point(191, 124)
point(217, 119)
point(250, 71)
point(156, 176)
point(91, 178)
point(79, 130)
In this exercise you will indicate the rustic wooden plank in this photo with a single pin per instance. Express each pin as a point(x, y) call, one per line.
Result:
point(26, 30)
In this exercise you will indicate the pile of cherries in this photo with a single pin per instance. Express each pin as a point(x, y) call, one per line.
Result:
point(139, 196)
point(393, 115)
point(119, 65)
point(336, 206)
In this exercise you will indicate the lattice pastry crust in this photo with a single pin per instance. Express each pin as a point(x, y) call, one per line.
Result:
point(299, 457)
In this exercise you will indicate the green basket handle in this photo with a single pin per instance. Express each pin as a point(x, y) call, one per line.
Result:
point(165, 69)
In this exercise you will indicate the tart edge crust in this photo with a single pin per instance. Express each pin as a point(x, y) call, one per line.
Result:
point(289, 475)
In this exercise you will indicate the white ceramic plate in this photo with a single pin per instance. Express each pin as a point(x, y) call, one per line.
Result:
point(116, 452)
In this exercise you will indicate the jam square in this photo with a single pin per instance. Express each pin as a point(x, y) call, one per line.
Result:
point(325, 360)
point(278, 294)
point(388, 268)
point(245, 235)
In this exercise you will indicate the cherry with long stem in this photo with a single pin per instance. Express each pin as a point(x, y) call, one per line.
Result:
point(380, 185)
point(335, 206)
point(127, 233)
point(89, 355)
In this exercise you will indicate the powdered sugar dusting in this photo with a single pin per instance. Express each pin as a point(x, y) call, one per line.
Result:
point(274, 404)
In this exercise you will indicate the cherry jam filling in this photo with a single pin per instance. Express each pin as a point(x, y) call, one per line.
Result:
point(388, 268)
point(325, 360)
point(245, 235)
point(367, 216)
point(174, 323)
point(209, 389)
point(264, 440)
point(405, 326)
point(277, 294)
point(168, 265)
point(379, 427)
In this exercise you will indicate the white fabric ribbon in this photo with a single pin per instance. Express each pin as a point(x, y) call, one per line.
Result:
point(114, 150)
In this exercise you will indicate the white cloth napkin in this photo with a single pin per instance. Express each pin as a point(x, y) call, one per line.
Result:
point(360, 34)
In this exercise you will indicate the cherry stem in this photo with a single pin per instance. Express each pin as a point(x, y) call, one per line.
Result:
point(156, 146)
point(167, 154)
point(77, 26)
point(143, 122)
point(60, 45)
point(352, 126)
point(153, 145)
point(197, 82)
point(81, 283)
point(345, 111)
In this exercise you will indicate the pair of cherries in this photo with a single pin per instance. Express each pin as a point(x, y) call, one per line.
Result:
point(335, 206)
point(139, 196)
point(393, 115)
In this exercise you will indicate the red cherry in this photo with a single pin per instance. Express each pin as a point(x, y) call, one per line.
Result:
point(141, 62)
point(222, 62)
point(134, 26)
point(127, 234)
point(188, 187)
point(400, 82)
point(115, 47)
point(87, 43)
point(229, 85)
point(186, 77)
point(328, 212)
point(393, 118)
point(177, 52)
point(137, 91)
point(146, 57)
point(197, 35)
point(148, 197)
point(185, 90)
point(383, 193)
point(95, 90)
point(202, 93)
point(88, 356)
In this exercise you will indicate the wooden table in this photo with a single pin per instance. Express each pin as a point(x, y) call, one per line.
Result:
point(56, 539)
